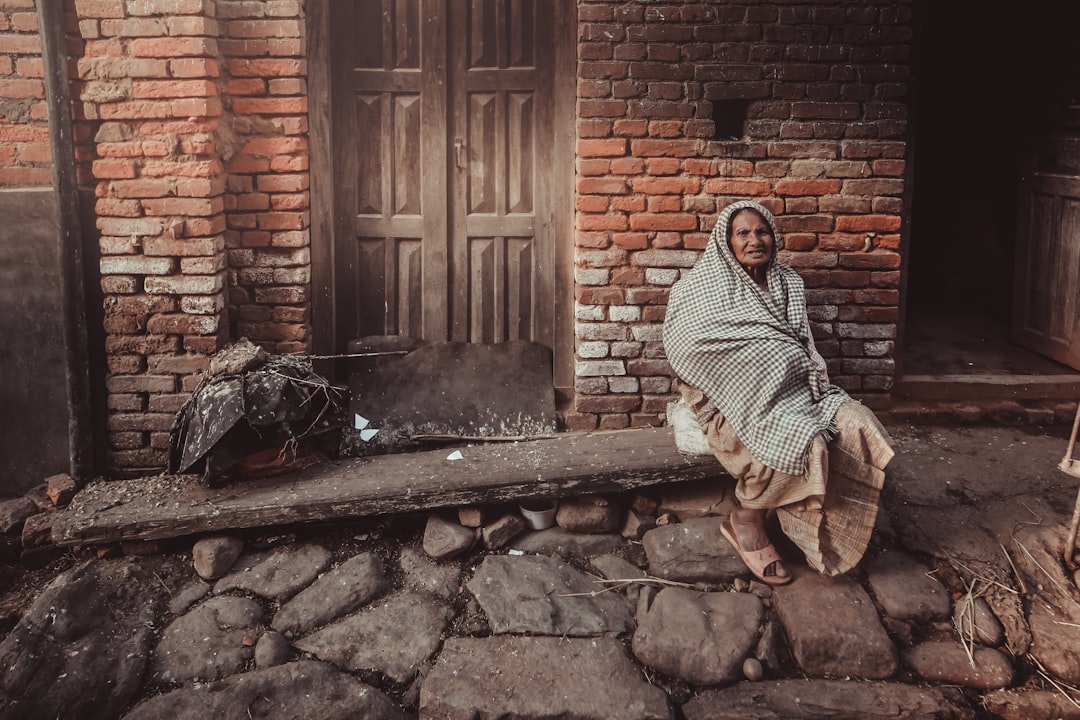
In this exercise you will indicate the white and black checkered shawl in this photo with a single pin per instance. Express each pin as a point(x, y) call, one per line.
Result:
point(750, 350)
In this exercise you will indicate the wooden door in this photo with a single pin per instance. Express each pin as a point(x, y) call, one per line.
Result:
point(1046, 296)
point(444, 138)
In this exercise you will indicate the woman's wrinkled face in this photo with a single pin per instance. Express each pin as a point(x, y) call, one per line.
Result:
point(752, 241)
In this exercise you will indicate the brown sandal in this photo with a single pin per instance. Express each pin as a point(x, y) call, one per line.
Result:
point(759, 562)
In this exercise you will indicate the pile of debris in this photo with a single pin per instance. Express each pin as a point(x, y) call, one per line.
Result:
point(256, 414)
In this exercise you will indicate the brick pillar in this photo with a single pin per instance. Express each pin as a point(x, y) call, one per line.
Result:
point(150, 94)
point(267, 200)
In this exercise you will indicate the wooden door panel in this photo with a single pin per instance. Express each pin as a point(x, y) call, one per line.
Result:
point(502, 271)
point(500, 289)
point(1048, 260)
point(444, 136)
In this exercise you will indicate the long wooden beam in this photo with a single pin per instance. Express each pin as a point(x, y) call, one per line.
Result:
point(170, 506)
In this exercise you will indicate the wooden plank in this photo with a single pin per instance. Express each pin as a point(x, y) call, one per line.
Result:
point(566, 465)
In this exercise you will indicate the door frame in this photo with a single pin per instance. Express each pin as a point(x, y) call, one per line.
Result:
point(324, 321)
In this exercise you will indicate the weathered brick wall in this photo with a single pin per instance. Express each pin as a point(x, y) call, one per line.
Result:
point(150, 95)
point(267, 201)
point(191, 118)
point(24, 126)
point(198, 119)
point(824, 87)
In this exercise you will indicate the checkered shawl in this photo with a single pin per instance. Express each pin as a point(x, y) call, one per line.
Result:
point(750, 350)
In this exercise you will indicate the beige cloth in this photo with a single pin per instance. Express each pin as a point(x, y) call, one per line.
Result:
point(830, 512)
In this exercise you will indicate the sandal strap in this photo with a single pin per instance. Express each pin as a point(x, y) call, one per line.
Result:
point(763, 558)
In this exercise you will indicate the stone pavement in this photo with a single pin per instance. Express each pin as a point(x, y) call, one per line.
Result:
point(633, 606)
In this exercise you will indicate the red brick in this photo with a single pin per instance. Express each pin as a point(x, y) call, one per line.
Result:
point(246, 86)
point(194, 68)
point(140, 188)
point(283, 220)
point(659, 186)
point(868, 223)
point(99, 8)
point(179, 168)
point(663, 148)
point(268, 68)
point(22, 89)
point(663, 221)
point(807, 187)
point(592, 203)
point(602, 186)
point(114, 169)
point(274, 145)
point(198, 207)
point(270, 106)
point(11, 44)
point(173, 47)
point(173, 88)
point(283, 183)
point(291, 201)
point(601, 222)
point(601, 148)
point(741, 188)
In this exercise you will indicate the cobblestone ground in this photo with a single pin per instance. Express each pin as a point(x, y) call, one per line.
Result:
point(630, 607)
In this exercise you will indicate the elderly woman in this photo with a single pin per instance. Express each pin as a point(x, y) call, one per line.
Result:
point(738, 338)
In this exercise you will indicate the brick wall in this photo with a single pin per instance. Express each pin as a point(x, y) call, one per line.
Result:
point(24, 126)
point(267, 202)
point(191, 118)
point(823, 86)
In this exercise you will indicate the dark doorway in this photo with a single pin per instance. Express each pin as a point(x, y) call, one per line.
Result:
point(985, 85)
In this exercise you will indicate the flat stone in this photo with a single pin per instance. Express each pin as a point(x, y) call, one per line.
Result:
point(188, 595)
point(700, 637)
point(214, 556)
point(1028, 704)
point(13, 514)
point(338, 592)
point(212, 641)
point(83, 644)
point(833, 628)
point(445, 539)
point(545, 596)
point(557, 541)
point(905, 588)
point(304, 689)
point(946, 661)
point(442, 580)
point(635, 525)
point(818, 699)
point(589, 515)
point(974, 619)
point(693, 551)
point(1054, 606)
point(272, 649)
point(392, 637)
point(280, 574)
point(613, 567)
point(500, 532)
point(539, 677)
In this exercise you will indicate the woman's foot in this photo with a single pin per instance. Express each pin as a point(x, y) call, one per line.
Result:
point(748, 527)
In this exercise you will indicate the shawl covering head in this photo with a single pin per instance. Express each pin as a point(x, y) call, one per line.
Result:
point(749, 349)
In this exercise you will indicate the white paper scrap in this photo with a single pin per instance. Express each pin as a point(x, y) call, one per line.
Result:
point(360, 422)
point(368, 433)
point(456, 455)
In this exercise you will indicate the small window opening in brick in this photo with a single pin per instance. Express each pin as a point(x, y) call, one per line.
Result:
point(729, 118)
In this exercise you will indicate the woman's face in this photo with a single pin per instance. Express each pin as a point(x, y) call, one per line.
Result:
point(751, 240)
